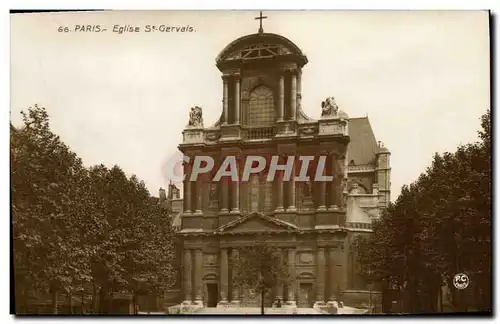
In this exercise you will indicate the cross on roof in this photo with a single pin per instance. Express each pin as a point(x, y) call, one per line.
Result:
point(261, 30)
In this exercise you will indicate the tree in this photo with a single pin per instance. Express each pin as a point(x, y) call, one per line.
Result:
point(439, 226)
point(260, 267)
point(73, 226)
point(44, 172)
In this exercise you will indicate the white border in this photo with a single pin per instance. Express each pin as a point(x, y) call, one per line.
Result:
point(185, 4)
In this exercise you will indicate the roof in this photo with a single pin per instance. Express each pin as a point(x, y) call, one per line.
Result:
point(363, 145)
point(257, 38)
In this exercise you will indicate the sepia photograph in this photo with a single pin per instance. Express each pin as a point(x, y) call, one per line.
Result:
point(251, 162)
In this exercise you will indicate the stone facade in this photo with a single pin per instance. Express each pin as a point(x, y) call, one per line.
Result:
point(313, 223)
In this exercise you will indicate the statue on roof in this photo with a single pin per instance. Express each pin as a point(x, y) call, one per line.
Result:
point(329, 107)
point(196, 117)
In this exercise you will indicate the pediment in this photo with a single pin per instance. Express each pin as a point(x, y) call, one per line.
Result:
point(256, 222)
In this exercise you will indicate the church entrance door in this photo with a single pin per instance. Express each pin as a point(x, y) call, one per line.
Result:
point(213, 294)
point(305, 295)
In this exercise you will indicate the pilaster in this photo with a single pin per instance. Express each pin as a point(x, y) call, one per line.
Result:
point(291, 191)
point(224, 289)
point(279, 285)
point(235, 294)
point(293, 101)
point(281, 102)
point(279, 190)
point(335, 184)
point(292, 283)
point(187, 276)
point(198, 272)
point(199, 194)
point(187, 187)
point(225, 98)
point(237, 92)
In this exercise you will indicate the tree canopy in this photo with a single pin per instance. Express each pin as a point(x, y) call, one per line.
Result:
point(438, 227)
point(260, 267)
point(75, 226)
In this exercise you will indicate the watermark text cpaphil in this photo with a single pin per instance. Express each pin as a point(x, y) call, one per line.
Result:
point(237, 168)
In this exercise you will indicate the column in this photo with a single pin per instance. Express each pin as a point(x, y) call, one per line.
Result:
point(237, 99)
point(223, 276)
point(187, 276)
point(291, 190)
point(332, 273)
point(187, 187)
point(235, 203)
point(293, 101)
point(344, 256)
point(281, 102)
point(322, 194)
point(198, 271)
point(279, 284)
point(225, 99)
point(293, 279)
point(235, 294)
point(225, 191)
point(320, 276)
point(299, 89)
point(199, 194)
point(334, 185)
point(342, 177)
point(279, 189)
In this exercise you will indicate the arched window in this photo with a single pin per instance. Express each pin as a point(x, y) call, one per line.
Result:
point(261, 107)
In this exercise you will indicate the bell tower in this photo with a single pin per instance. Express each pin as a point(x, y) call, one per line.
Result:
point(261, 80)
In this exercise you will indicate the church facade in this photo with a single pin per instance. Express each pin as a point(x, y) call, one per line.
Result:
point(313, 223)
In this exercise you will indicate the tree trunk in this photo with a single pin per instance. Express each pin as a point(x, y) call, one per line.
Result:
point(262, 294)
point(54, 301)
point(70, 301)
point(83, 300)
point(94, 297)
point(25, 304)
point(134, 302)
point(440, 296)
point(102, 300)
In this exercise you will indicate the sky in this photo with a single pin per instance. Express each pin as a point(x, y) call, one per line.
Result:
point(422, 78)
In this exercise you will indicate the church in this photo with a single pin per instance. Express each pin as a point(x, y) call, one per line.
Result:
point(313, 223)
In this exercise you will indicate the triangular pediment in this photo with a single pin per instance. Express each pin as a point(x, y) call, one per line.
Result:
point(256, 222)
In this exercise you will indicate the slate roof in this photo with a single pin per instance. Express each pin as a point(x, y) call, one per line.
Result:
point(363, 145)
